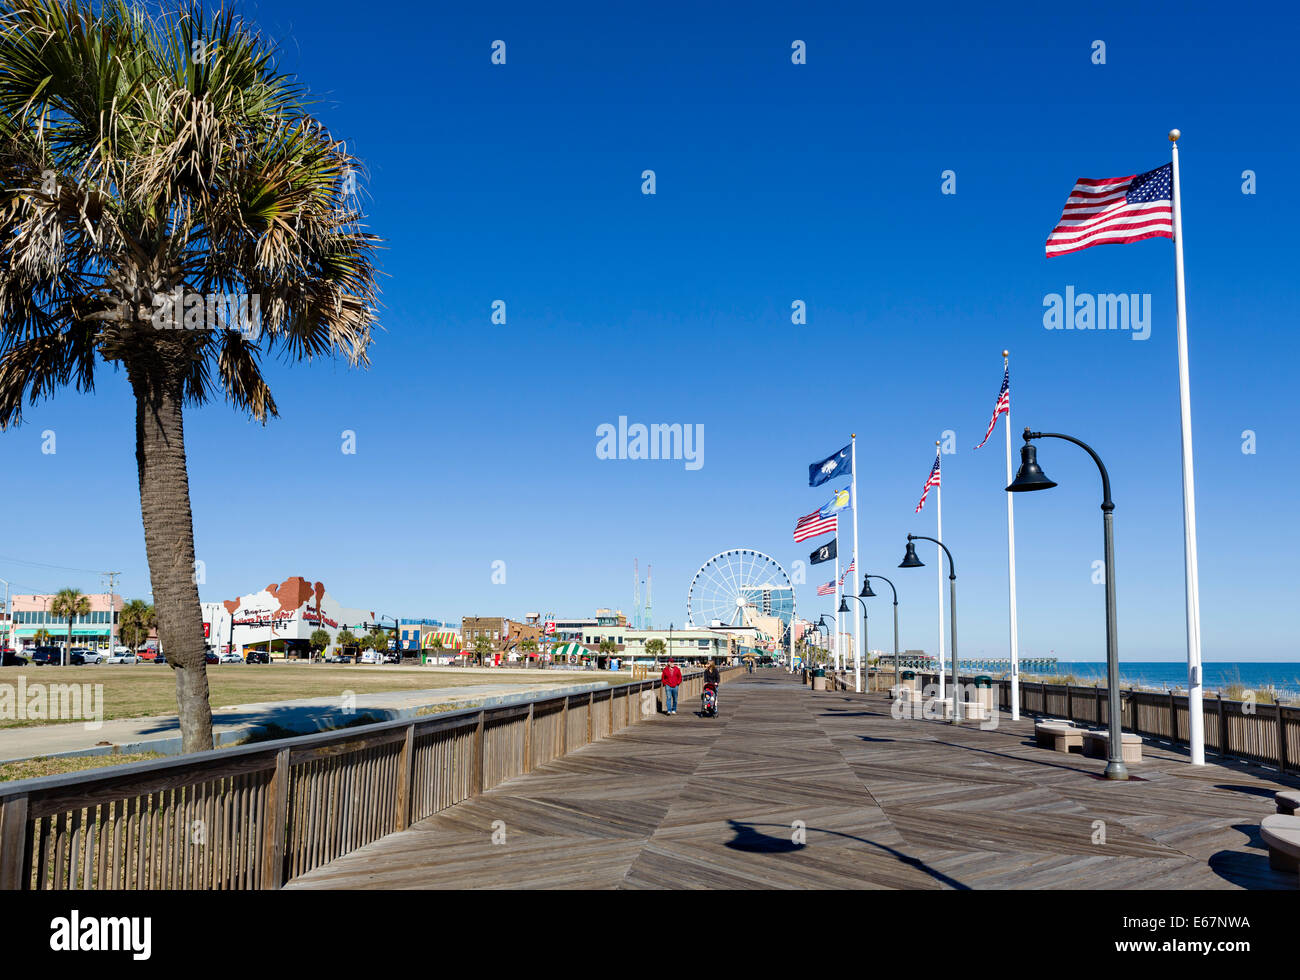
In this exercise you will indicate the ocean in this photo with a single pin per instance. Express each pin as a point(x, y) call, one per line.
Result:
point(1283, 676)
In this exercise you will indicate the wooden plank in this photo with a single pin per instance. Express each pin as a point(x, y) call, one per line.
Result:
point(13, 843)
point(276, 814)
point(405, 779)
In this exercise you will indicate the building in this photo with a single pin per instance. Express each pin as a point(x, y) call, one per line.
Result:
point(281, 618)
point(31, 614)
point(415, 635)
point(692, 644)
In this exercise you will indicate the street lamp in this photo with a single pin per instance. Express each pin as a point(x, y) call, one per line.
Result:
point(1031, 477)
point(911, 561)
point(867, 593)
point(857, 661)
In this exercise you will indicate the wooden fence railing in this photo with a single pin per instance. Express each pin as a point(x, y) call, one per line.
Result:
point(258, 815)
point(1264, 733)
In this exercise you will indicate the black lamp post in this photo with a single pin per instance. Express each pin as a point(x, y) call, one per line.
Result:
point(867, 593)
point(1031, 477)
point(844, 608)
point(911, 561)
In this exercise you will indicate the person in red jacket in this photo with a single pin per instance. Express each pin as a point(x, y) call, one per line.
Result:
point(671, 677)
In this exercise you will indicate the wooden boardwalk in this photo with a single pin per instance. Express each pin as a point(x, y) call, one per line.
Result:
point(692, 802)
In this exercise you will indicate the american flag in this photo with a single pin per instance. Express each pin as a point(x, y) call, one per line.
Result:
point(811, 525)
point(931, 481)
point(1115, 210)
point(848, 571)
point(1003, 405)
point(827, 589)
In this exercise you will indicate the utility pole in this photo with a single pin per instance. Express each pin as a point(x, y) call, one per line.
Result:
point(112, 608)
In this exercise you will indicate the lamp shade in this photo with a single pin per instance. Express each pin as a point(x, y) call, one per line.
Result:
point(910, 560)
point(866, 592)
point(1030, 476)
point(844, 604)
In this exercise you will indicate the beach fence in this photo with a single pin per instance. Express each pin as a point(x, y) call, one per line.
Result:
point(1265, 733)
point(256, 816)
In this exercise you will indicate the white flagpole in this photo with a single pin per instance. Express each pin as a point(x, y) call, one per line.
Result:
point(837, 591)
point(1195, 704)
point(1011, 567)
point(857, 618)
point(938, 550)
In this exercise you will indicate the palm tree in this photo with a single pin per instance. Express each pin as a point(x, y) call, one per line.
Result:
point(137, 617)
point(655, 648)
point(529, 647)
point(69, 604)
point(146, 158)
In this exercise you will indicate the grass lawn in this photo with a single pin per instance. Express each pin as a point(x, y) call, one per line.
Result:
point(57, 766)
point(141, 690)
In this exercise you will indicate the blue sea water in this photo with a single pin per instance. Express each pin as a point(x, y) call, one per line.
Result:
point(1282, 676)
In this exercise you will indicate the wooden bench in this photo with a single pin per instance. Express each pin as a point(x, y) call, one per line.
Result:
point(1059, 736)
point(1282, 835)
point(1287, 801)
point(1097, 745)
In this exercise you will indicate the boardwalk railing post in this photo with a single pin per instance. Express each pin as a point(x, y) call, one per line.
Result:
point(1069, 703)
point(1173, 715)
point(476, 770)
point(591, 710)
point(1281, 736)
point(1223, 726)
point(528, 741)
point(277, 818)
point(13, 833)
point(405, 778)
point(564, 726)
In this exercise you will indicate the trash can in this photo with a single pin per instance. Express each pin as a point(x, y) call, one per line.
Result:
point(982, 692)
point(908, 679)
point(819, 679)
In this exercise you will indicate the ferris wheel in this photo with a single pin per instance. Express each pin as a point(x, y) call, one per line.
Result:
point(733, 587)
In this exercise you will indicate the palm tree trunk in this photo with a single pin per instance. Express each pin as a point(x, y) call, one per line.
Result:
point(169, 544)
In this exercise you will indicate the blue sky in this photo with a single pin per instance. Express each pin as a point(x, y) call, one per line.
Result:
point(775, 182)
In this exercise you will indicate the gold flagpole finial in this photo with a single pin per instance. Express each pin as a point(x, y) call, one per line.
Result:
point(1173, 135)
point(1006, 353)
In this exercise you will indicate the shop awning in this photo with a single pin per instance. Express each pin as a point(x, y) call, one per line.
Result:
point(571, 650)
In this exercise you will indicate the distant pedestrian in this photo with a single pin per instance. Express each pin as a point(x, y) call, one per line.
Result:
point(671, 677)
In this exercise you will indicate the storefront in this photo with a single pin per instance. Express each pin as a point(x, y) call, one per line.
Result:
point(281, 619)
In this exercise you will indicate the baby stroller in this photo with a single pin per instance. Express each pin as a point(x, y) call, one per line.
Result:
point(709, 700)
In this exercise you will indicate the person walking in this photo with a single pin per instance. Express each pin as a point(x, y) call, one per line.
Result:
point(672, 677)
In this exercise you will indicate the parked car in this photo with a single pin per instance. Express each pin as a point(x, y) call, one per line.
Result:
point(43, 656)
point(159, 658)
point(210, 657)
point(11, 658)
point(122, 656)
point(87, 655)
point(371, 657)
point(392, 658)
point(257, 657)
point(231, 658)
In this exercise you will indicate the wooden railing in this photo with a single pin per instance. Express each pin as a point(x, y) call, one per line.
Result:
point(1264, 733)
point(258, 815)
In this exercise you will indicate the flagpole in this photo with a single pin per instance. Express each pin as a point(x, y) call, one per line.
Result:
point(857, 620)
point(938, 509)
point(837, 592)
point(1011, 565)
point(1195, 703)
